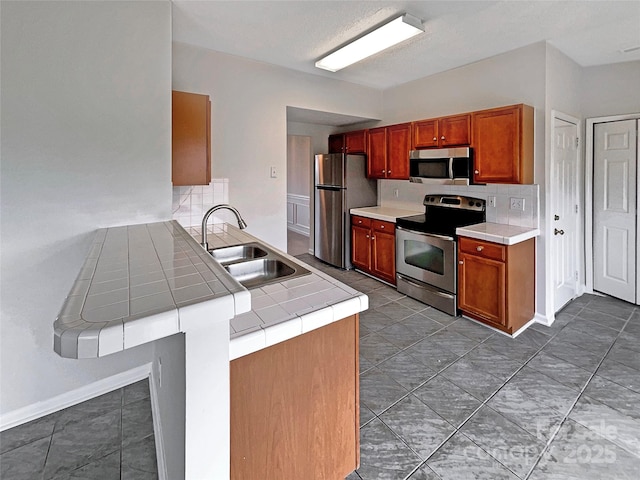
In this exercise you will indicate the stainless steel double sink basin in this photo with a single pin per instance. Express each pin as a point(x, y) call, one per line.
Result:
point(254, 265)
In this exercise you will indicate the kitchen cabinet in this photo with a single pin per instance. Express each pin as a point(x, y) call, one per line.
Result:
point(503, 145)
point(190, 139)
point(295, 407)
point(373, 247)
point(349, 142)
point(496, 283)
point(388, 151)
point(451, 131)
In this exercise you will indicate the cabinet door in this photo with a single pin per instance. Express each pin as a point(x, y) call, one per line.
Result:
point(383, 255)
point(356, 142)
point(425, 133)
point(481, 287)
point(361, 247)
point(503, 145)
point(191, 139)
point(455, 130)
point(377, 153)
point(398, 147)
point(336, 143)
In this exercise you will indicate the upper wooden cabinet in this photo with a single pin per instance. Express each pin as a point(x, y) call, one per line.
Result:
point(349, 142)
point(442, 132)
point(191, 139)
point(503, 145)
point(388, 151)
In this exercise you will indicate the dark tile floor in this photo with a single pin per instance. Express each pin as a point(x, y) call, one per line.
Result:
point(441, 398)
point(445, 398)
point(106, 438)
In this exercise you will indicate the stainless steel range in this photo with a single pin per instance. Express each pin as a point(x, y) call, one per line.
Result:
point(426, 253)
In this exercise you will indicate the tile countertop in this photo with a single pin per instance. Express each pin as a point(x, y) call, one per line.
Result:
point(140, 283)
point(387, 214)
point(286, 309)
point(498, 233)
point(128, 293)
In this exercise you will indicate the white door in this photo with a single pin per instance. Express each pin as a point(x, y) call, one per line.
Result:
point(564, 184)
point(614, 209)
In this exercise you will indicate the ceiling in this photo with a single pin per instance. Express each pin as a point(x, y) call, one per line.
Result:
point(294, 34)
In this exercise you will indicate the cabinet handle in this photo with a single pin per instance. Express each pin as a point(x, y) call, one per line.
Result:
point(460, 262)
point(479, 248)
point(476, 172)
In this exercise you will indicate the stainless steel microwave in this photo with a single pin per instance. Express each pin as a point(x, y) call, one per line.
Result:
point(452, 166)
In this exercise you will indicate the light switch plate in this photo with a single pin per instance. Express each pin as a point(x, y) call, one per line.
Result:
point(274, 173)
point(491, 201)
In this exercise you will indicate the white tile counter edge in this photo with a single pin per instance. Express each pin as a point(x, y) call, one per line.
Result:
point(386, 214)
point(498, 233)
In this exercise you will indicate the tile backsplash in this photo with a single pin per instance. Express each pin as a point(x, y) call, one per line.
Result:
point(410, 195)
point(190, 203)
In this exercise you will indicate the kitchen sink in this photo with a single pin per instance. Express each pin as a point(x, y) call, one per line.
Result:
point(236, 253)
point(254, 265)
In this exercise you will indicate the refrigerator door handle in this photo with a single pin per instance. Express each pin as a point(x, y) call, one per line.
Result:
point(328, 187)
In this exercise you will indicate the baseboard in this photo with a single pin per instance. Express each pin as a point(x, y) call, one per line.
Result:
point(73, 397)
point(300, 229)
point(157, 428)
point(543, 319)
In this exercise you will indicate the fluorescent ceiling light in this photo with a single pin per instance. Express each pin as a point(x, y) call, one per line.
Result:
point(389, 34)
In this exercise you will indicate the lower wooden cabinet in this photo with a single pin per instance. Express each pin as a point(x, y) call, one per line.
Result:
point(295, 407)
point(496, 283)
point(373, 247)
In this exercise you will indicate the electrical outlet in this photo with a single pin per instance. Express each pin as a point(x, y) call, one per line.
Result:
point(395, 192)
point(274, 173)
point(491, 201)
point(517, 204)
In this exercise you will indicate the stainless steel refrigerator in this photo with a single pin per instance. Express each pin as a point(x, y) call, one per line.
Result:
point(340, 185)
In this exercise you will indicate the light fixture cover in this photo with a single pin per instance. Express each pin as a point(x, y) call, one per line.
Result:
point(391, 33)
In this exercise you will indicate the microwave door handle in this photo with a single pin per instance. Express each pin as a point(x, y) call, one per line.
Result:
point(451, 168)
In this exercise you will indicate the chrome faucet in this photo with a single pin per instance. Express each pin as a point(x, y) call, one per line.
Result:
point(241, 223)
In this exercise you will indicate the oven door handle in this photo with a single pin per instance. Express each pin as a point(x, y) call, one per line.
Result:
point(442, 237)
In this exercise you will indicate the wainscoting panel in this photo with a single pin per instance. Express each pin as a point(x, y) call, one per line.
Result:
point(298, 215)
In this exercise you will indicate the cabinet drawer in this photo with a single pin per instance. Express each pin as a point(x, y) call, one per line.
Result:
point(383, 226)
point(484, 249)
point(361, 221)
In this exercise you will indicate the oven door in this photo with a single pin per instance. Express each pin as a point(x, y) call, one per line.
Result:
point(427, 258)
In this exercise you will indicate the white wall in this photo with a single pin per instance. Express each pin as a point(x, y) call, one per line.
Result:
point(611, 89)
point(86, 129)
point(514, 77)
point(249, 125)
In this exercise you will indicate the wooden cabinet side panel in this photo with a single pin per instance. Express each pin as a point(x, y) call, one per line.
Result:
point(208, 167)
point(526, 145)
point(294, 407)
point(520, 286)
point(377, 153)
point(398, 147)
point(190, 139)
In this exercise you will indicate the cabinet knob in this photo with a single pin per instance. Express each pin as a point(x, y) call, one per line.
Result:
point(460, 262)
point(442, 137)
point(479, 248)
point(359, 221)
point(367, 236)
point(373, 237)
point(476, 172)
point(383, 172)
point(435, 139)
point(389, 172)
point(381, 226)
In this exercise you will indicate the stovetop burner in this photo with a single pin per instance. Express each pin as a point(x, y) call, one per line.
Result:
point(444, 213)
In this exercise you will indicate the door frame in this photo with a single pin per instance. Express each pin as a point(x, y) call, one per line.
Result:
point(588, 192)
point(580, 243)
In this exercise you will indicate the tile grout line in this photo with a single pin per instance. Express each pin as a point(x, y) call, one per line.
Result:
point(584, 387)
